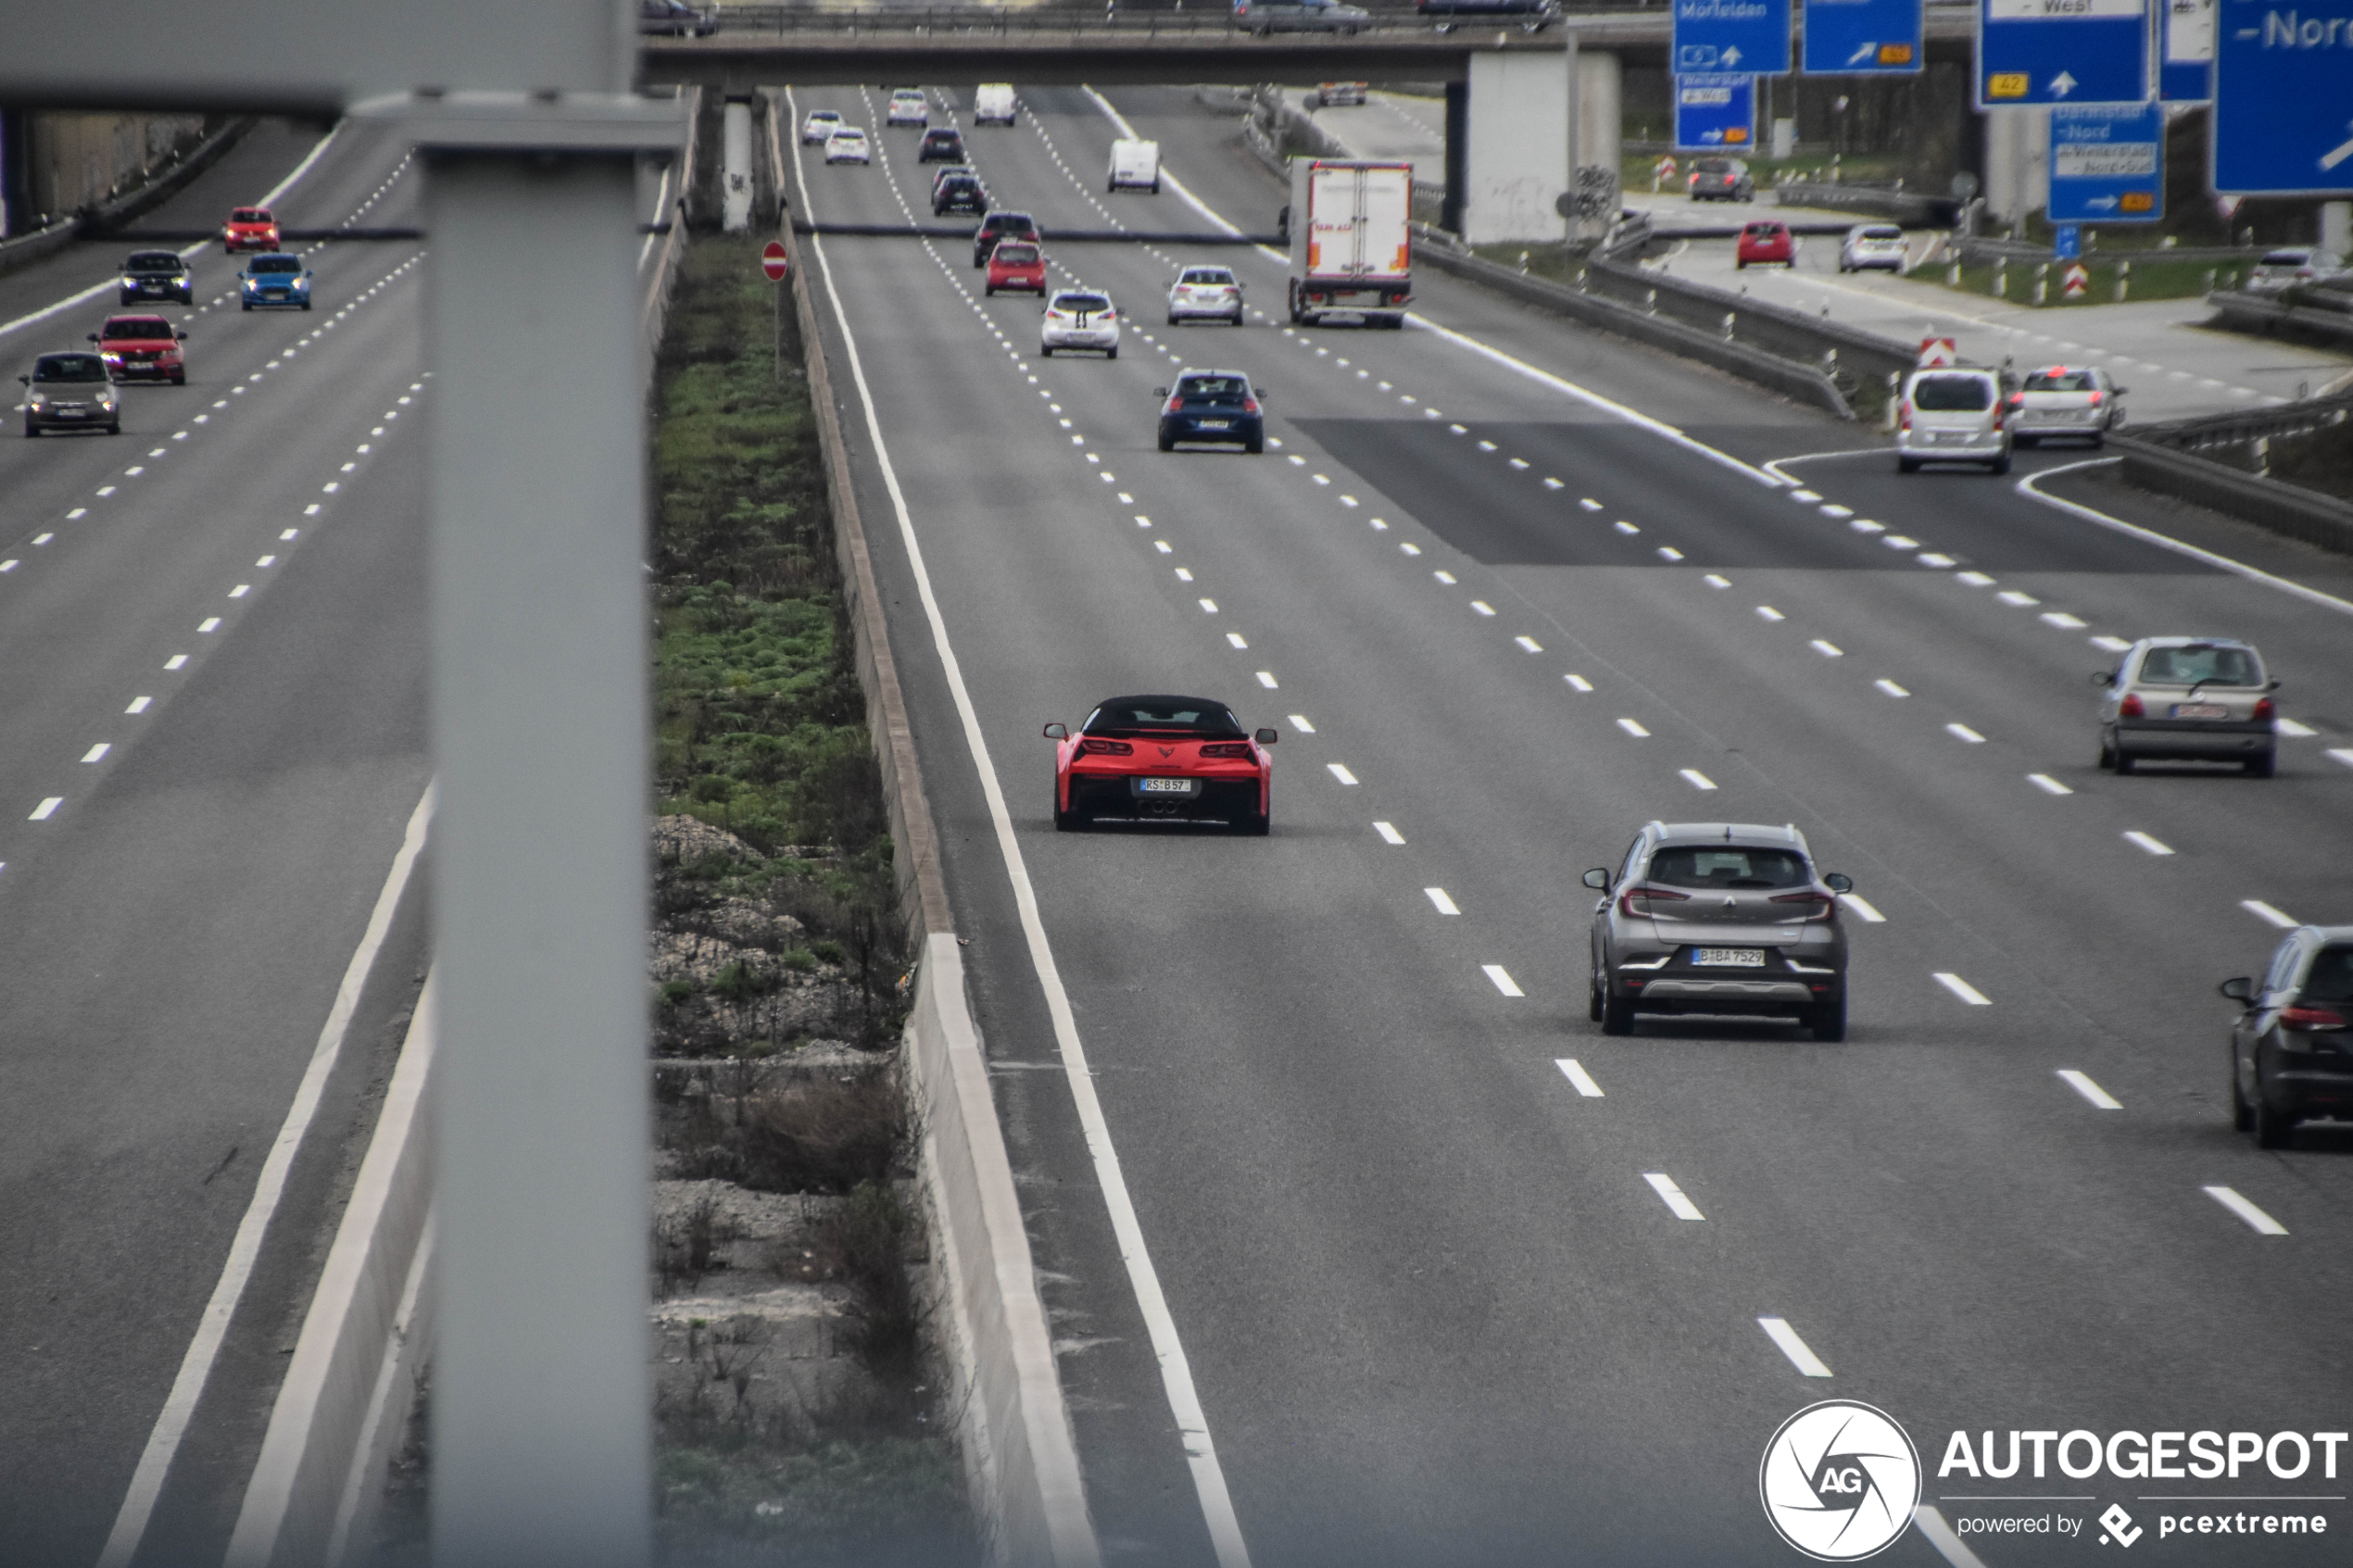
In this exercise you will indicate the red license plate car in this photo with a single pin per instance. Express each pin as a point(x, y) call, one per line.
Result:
point(1157, 759)
point(1016, 264)
point(1765, 243)
point(249, 228)
point(141, 348)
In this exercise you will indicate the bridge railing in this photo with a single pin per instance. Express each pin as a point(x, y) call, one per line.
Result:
point(1127, 18)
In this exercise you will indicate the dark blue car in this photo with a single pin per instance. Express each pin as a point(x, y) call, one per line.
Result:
point(1213, 406)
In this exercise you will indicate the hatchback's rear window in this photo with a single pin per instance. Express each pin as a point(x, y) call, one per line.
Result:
point(2332, 976)
point(2199, 664)
point(1016, 255)
point(2286, 258)
point(69, 368)
point(250, 215)
point(1712, 166)
point(1883, 232)
point(1950, 394)
point(1212, 387)
point(2061, 381)
point(138, 326)
point(1081, 302)
point(1728, 867)
point(1206, 276)
point(1180, 715)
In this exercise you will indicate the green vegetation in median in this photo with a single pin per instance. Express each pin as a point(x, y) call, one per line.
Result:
point(2142, 275)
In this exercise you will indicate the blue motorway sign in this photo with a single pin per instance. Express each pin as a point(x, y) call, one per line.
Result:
point(2185, 51)
point(2283, 118)
point(1715, 112)
point(2032, 53)
point(2108, 164)
point(1863, 37)
point(2066, 241)
point(1747, 36)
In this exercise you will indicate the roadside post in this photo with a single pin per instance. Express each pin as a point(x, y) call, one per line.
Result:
point(776, 264)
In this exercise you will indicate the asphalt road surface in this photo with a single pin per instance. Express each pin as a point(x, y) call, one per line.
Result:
point(1511, 589)
point(212, 629)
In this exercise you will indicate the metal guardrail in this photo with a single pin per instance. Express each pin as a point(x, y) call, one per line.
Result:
point(2240, 427)
point(1129, 20)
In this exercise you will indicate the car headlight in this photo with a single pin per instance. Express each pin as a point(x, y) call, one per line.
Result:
point(37, 402)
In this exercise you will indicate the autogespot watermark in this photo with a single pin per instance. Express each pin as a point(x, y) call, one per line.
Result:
point(1842, 1481)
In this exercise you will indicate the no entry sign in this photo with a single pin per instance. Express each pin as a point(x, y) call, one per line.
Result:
point(774, 261)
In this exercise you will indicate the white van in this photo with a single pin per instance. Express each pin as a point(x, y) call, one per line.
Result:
point(993, 104)
point(1135, 166)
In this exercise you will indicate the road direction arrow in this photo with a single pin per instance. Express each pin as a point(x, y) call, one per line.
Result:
point(1863, 38)
point(2032, 52)
point(2062, 84)
point(2108, 164)
point(1715, 112)
point(1751, 36)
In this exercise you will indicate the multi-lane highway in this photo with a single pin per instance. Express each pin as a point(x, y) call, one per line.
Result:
point(1400, 1285)
point(211, 627)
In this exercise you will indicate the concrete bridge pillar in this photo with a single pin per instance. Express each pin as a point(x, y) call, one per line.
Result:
point(1601, 119)
point(1527, 121)
point(2017, 153)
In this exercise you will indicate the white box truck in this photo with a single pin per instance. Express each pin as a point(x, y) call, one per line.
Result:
point(993, 104)
point(1134, 165)
point(1350, 249)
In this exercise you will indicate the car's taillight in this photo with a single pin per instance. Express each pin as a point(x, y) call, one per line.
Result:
point(1227, 748)
point(1637, 901)
point(1107, 315)
point(2311, 1018)
point(1176, 406)
point(2130, 707)
point(2263, 708)
point(1904, 415)
point(1824, 906)
point(2095, 397)
point(2018, 400)
point(1249, 405)
point(1106, 748)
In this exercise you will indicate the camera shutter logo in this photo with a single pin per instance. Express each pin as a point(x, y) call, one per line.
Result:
point(1839, 1481)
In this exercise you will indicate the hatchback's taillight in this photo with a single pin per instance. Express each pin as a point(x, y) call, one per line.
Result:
point(1249, 405)
point(2095, 397)
point(1227, 748)
point(2311, 1018)
point(2130, 707)
point(1106, 748)
point(1637, 901)
point(1176, 406)
point(2263, 708)
point(1824, 906)
point(1904, 415)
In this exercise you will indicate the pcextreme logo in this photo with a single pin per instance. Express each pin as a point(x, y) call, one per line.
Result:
point(1839, 1481)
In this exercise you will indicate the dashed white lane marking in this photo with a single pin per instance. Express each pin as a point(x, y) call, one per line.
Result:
point(1834, 511)
point(1529, 645)
point(1503, 980)
point(1963, 989)
point(1778, 1331)
point(2279, 919)
point(139, 705)
point(2260, 1222)
point(1664, 1184)
point(2061, 619)
point(290, 534)
point(1587, 502)
point(210, 623)
point(241, 590)
point(1865, 525)
point(1806, 497)
point(1342, 773)
point(1388, 832)
point(98, 752)
point(1697, 779)
point(177, 661)
point(1713, 581)
point(1440, 901)
point(40, 539)
point(2012, 597)
point(1208, 606)
point(1768, 612)
point(1299, 722)
point(1891, 688)
point(1929, 557)
point(1828, 650)
point(1409, 548)
point(77, 513)
point(1864, 909)
point(1898, 542)
point(1444, 576)
point(1625, 527)
point(1482, 607)
point(1963, 732)
point(2082, 1084)
point(9, 565)
point(2140, 840)
point(2291, 727)
point(1266, 679)
point(1632, 727)
point(1974, 579)
point(1578, 682)
point(1576, 1074)
point(1235, 639)
point(2343, 754)
point(1668, 552)
point(47, 809)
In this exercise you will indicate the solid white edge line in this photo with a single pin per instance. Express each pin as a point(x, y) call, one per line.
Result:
point(2262, 1224)
point(1575, 1072)
point(1785, 1338)
point(1938, 1534)
point(1546, 377)
point(2310, 596)
point(1176, 1372)
point(2082, 1084)
point(195, 1366)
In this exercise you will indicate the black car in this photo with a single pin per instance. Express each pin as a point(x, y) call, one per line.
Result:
point(959, 193)
point(1532, 16)
point(1213, 406)
point(675, 19)
point(1002, 226)
point(156, 274)
point(71, 392)
point(943, 144)
point(2291, 1049)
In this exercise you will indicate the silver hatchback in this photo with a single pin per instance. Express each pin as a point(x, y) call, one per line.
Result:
point(1719, 918)
point(2189, 699)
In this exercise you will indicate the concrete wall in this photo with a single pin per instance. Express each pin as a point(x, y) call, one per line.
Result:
point(1518, 156)
point(69, 163)
point(1601, 119)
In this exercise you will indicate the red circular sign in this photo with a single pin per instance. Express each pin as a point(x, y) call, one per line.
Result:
point(773, 262)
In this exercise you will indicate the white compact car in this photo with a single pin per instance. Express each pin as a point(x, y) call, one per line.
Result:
point(2066, 400)
point(1079, 318)
point(1871, 245)
point(1205, 294)
point(819, 124)
point(908, 107)
point(849, 145)
point(1134, 165)
point(1953, 416)
point(993, 104)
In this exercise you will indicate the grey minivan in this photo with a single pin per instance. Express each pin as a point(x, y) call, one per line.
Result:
point(2188, 699)
point(1956, 415)
point(1719, 918)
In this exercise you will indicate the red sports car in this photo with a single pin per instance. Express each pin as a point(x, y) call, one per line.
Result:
point(1016, 264)
point(1765, 241)
point(1162, 758)
point(249, 228)
point(141, 347)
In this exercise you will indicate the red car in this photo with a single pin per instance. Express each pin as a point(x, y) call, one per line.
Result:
point(1765, 241)
point(249, 228)
point(1016, 264)
point(1162, 758)
point(142, 347)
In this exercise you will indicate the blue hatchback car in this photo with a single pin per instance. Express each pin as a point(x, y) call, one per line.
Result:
point(1218, 406)
point(274, 278)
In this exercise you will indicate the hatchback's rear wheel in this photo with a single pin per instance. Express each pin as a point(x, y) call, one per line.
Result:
point(1594, 1002)
point(1618, 1015)
point(1908, 465)
point(2125, 763)
point(2274, 1129)
point(2241, 1114)
point(2262, 764)
point(2108, 754)
point(1828, 1019)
